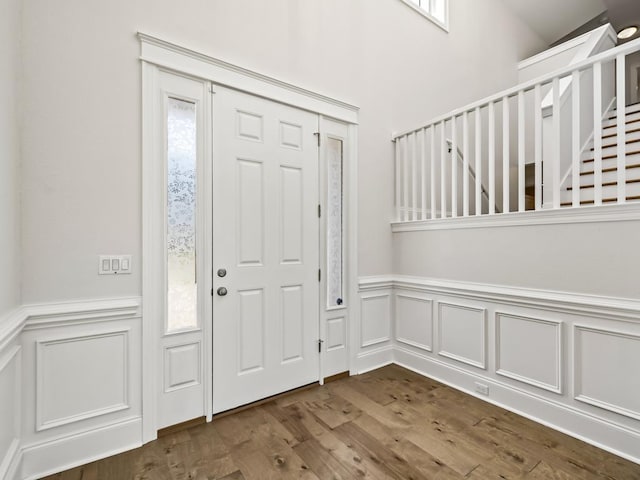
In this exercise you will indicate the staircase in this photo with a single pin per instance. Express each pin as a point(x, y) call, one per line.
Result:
point(609, 162)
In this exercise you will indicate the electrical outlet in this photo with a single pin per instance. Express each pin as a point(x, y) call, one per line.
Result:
point(114, 264)
point(482, 388)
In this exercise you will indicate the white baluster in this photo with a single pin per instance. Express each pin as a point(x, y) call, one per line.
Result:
point(465, 164)
point(621, 128)
point(505, 155)
point(575, 138)
point(454, 168)
point(432, 166)
point(537, 109)
point(443, 170)
point(478, 162)
point(492, 158)
point(405, 177)
point(423, 174)
point(398, 174)
point(521, 152)
point(597, 132)
point(555, 157)
point(414, 176)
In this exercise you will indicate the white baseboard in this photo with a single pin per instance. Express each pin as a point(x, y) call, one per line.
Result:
point(373, 359)
point(11, 463)
point(64, 453)
point(593, 430)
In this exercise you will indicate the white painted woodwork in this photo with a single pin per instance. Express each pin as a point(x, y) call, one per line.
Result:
point(334, 319)
point(506, 154)
point(597, 132)
point(414, 320)
point(266, 228)
point(432, 169)
point(462, 333)
point(423, 175)
point(375, 323)
point(398, 178)
point(529, 350)
point(10, 406)
point(537, 107)
point(478, 155)
point(405, 177)
point(601, 359)
point(183, 366)
point(575, 139)
point(555, 147)
point(414, 176)
point(492, 158)
point(443, 170)
point(465, 164)
point(521, 152)
point(92, 371)
point(621, 149)
point(454, 167)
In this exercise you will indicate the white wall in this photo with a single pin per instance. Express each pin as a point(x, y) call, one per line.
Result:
point(597, 258)
point(82, 132)
point(9, 155)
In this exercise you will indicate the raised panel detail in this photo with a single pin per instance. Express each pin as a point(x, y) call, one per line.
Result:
point(601, 370)
point(291, 217)
point(80, 378)
point(375, 324)
point(250, 234)
point(250, 126)
point(290, 135)
point(292, 323)
point(529, 350)
point(182, 366)
point(414, 321)
point(336, 334)
point(462, 334)
point(250, 331)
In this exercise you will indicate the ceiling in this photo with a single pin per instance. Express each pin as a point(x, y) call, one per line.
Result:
point(554, 20)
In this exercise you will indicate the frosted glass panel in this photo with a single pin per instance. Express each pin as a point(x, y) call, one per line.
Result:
point(181, 215)
point(334, 222)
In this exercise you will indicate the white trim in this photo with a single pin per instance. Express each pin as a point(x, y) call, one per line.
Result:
point(11, 326)
point(175, 57)
point(621, 441)
point(469, 361)
point(597, 306)
point(577, 388)
point(589, 214)
point(555, 388)
point(80, 448)
point(373, 359)
point(40, 423)
point(406, 341)
point(439, 23)
point(10, 462)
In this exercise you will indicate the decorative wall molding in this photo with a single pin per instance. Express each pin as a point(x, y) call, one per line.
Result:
point(375, 324)
point(175, 57)
point(402, 331)
point(584, 214)
point(11, 325)
point(457, 343)
point(504, 370)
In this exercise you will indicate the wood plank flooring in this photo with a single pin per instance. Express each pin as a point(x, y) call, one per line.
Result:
point(389, 423)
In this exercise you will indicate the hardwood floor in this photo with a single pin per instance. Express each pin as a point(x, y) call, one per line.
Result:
point(389, 423)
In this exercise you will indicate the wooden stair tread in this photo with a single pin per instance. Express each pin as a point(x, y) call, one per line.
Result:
point(609, 157)
point(635, 130)
point(615, 144)
point(604, 200)
point(607, 184)
point(627, 123)
point(611, 169)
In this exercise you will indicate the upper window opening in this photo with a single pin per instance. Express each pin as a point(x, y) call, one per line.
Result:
point(435, 10)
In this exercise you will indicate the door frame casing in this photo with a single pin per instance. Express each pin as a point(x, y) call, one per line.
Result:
point(155, 55)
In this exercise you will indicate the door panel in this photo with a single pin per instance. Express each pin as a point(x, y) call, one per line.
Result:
point(266, 235)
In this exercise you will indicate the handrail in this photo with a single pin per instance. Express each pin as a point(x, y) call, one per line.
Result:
point(472, 173)
point(611, 54)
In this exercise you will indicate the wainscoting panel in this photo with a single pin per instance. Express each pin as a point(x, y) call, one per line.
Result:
point(336, 334)
point(375, 325)
point(529, 350)
point(462, 333)
point(414, 320)
point(566, 360)
point(605, 369)
point(80, 377)
point(182, 364)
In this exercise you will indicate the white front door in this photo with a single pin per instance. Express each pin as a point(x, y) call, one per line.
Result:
point(265, 249)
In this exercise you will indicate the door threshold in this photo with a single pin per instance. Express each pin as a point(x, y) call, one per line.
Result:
point(262, 401)
point(337, 376)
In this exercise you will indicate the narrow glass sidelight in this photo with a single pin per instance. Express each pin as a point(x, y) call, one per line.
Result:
point(181, 215)
point(335, 211)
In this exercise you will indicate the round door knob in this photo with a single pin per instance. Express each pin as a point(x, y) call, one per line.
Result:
point(222, 272)
point(222, 291)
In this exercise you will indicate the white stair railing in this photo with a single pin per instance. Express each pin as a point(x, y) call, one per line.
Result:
point(501, 134)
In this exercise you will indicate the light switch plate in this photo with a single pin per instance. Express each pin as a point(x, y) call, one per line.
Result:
point(114, 264)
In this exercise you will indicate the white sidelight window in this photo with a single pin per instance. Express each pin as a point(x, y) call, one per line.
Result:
point(435, 10)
